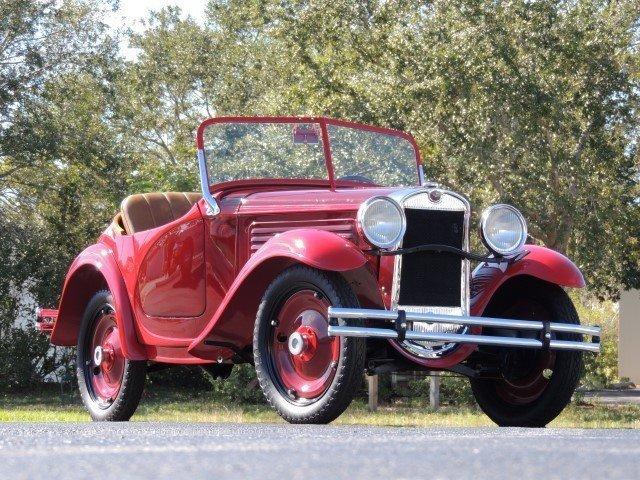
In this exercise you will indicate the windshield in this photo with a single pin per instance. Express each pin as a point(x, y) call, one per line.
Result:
point(238, 151)
point(384, 159)
point(291, 147)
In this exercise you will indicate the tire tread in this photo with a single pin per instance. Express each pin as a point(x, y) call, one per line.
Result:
point(347, 379)
point(133, 379)
point(558, 394)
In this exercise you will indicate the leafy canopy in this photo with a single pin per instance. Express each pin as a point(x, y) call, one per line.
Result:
point(533, 103)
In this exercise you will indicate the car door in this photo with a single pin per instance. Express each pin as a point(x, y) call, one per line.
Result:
point(171, 278)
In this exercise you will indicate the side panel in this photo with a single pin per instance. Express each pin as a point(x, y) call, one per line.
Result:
point(95, 269)
point(171, 280)
point(157, 264)
point(316, 248)
point(542, 263)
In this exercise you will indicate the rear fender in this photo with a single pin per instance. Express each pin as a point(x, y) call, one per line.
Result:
point(541, 263)
point(234, 319)
point(93, 270)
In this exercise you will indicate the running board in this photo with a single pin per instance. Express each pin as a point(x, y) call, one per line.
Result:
point(399, 330)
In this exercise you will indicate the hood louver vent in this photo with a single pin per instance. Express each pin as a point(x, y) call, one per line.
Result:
point(261, 232)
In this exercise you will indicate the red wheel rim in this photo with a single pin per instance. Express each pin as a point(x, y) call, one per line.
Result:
point(527, 387)
point(524, 390)
point(303, 355)
point(106, 363)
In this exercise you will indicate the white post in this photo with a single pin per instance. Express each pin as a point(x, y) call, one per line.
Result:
point(434, 390)
point(372, 381)
point(629, 336)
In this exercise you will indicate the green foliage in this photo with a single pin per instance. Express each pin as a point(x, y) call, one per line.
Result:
point(62, 163)
point(241, 387)
point(531, 103)
point(601, 371)
point(415, 388)
point(454, 390)
point(19, 359)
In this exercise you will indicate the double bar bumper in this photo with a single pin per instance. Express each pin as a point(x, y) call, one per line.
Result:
point(399, 330)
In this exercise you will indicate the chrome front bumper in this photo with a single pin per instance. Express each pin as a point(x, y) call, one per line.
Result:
point(398, 329)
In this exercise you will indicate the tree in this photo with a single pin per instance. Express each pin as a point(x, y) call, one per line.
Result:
point(184, 73)
point(62, 163)
point(163, 99)
point(530, 103)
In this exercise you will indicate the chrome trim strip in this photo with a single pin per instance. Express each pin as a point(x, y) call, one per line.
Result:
point(341, 331)
point(364, 313)
point(205, 185)
point(571, 328)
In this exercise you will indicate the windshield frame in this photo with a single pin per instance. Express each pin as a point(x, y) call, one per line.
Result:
point(323, 122)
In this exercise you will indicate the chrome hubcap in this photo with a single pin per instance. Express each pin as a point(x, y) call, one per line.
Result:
point(98, 356)
point(295, 343)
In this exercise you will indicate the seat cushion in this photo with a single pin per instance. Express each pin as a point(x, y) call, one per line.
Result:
point(143, 211)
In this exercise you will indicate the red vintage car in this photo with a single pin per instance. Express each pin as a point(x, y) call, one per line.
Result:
point(317, 251)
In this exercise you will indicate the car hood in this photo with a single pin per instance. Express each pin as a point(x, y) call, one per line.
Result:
point(305, 199)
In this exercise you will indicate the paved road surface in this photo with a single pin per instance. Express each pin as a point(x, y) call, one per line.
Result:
point(287, 452)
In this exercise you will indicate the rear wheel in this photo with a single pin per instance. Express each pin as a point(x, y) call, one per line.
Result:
point(307, 376)
point(110, 385)
point(534, 385)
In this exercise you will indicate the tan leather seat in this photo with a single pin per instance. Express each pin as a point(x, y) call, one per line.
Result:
point(143, 211)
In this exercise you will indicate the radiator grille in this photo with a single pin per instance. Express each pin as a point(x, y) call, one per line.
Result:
point(429, 278)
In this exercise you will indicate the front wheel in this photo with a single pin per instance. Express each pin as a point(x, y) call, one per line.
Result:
point(306, 375)
point(110, 385)
point(534, 385)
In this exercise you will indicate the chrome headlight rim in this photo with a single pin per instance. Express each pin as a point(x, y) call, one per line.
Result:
point(484, 218)
point(361, 217)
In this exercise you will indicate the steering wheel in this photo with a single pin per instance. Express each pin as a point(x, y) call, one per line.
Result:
point(357, 178)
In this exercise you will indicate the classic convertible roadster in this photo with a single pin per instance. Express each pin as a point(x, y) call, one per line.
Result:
point(317, 251)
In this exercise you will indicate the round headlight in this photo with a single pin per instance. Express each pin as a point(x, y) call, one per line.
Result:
point(503, 229)
point(382, 222)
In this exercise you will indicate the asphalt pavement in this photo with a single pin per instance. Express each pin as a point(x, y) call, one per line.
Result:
point(276, 451)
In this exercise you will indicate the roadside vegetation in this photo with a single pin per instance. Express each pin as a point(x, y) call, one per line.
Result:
point(171, 405)
point(529, 103)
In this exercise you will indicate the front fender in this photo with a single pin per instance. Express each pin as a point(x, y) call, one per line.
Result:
point(93, 270)
point(233, 320)
point(541, 263)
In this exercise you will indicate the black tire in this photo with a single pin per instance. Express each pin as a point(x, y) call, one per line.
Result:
point(566, 370)
point(123, 406)
point(350, 367)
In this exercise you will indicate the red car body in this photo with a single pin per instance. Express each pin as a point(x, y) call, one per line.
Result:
point(187, 292)
point(161, 327)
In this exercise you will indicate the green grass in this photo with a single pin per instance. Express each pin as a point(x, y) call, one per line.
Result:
point(173, 406)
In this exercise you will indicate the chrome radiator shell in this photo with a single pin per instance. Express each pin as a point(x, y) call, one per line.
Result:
point(434, 198)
